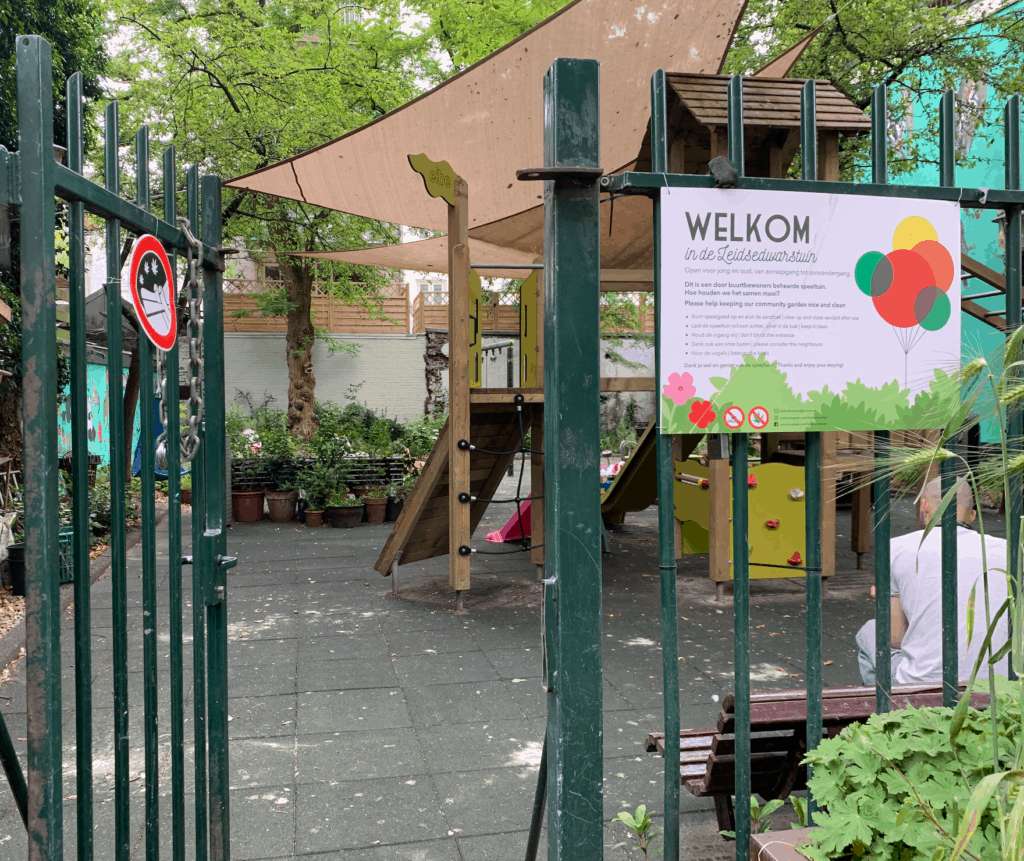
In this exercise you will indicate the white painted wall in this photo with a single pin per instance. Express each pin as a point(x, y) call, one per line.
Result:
point(388, 367)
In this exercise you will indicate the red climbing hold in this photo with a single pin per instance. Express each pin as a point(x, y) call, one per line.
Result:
point(704, 484)
point(752, 482)
point(795, 559)
point(772, 524)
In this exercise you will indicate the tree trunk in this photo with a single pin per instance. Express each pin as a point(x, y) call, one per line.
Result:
point(299, 342)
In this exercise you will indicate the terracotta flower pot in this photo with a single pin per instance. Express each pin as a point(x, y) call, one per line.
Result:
point(281, 504)
point(186, 496)
point(375, 506)
point(314, 518)
point(344, 516)
point(247, 505)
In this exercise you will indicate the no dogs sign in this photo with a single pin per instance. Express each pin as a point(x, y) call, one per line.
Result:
point(152, 283)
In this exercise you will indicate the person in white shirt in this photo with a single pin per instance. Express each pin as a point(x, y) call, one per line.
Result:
point(916, 602)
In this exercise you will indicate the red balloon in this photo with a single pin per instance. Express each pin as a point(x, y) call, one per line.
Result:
point(911, 274)
point(939, 260)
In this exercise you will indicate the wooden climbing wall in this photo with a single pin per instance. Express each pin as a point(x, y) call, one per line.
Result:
point(421, 531)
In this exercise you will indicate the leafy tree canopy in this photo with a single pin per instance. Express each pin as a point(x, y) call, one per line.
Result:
point(75, 29)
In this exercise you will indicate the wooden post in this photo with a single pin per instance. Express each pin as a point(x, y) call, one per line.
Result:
point(537, 445)
point(828, 504)
point(719, 560)
point(458, 385)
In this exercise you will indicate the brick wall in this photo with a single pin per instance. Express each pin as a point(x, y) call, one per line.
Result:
point(389, 367)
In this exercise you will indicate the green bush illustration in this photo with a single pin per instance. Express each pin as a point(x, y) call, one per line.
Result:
point(858, 407)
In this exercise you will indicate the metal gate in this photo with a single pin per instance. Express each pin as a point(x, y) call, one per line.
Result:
point(30, 180)
point(574, 181)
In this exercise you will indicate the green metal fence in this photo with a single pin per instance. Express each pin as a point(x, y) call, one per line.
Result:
point(31, 179)
point(573, 744)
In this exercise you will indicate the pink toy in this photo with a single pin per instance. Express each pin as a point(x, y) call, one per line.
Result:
point(511, 531)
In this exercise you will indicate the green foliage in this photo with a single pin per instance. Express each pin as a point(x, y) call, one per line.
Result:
point(642, 828)
point(897, 787)
point(419, 435)
point(759, 821)
point(318, 483)
point(342, 499)
point(624, 430)
point(917, 49)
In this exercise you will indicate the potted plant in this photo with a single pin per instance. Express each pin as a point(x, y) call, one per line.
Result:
point(316, 483)
point(186, 488)
point(278, 454)
point(246, 457)
point(398, 491)
point(344, 510)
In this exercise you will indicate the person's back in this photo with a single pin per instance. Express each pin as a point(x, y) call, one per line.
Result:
point(917, 579)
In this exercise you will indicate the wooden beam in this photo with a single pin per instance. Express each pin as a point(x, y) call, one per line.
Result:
point(416, 504)
point(458, 384)
point(627, 384)
point(979, 312)
point(504, 397)
point(983, 273)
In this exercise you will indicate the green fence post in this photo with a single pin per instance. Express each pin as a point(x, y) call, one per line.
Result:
point(572, 444)
point(199, 578)
point(947, 469)
point(1014, 419)
point(214, 481)
point(740, 552)
point(39, 408)
point(666, 512)
point(174, 550)
point(883, 661)
point(80, 483)
point(812, 481)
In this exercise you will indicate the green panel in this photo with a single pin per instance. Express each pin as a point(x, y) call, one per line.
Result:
point(572, 444)
point(39, 372)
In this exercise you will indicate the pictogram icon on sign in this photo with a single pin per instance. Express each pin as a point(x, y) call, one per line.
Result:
point(152, 283)
point(759, 418)
point(733, 418)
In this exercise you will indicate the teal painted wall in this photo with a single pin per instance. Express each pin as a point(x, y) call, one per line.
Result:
point(99, 409)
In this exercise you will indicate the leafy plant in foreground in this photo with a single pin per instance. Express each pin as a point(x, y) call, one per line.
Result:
point(641, 825)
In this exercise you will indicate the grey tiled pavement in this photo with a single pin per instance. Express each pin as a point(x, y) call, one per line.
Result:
point(365, 726)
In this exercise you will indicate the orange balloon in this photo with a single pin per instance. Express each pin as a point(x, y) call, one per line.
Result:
point(939, 260)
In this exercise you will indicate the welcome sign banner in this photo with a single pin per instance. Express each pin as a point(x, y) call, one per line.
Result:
point(793, 311)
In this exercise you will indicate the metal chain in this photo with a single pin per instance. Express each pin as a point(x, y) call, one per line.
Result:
point(194, 405)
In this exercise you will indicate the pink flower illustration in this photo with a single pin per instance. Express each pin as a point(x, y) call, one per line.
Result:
point(702, 413)
point(680, 388)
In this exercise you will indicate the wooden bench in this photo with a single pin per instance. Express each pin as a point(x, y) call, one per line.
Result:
point(778, 740)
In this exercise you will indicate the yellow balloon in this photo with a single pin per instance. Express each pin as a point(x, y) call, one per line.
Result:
point(912, 230)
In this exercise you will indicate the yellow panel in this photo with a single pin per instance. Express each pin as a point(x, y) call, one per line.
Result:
point(528, 332)
point(693, 507)
point(771, 500)
point(476, 340)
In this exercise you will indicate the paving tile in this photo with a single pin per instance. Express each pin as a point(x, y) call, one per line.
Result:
point(510, 846)
point(427, 850)
point(445, 668)
point(482, 746)
point(268, 831)
point(375, 672)
point(356, 814)
point(352, 711)
point(261, 716)
point(487, 802)
point(256, 762)
point(461, 703)
point(359, 755)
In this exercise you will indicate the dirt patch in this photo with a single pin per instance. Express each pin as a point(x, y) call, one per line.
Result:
point(487, 593)
point(12, 610)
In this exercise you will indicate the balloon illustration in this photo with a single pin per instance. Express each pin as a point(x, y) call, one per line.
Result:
point(908, 286)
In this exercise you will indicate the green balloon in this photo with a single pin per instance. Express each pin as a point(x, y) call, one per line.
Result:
point(865, 269)
point(939, 315)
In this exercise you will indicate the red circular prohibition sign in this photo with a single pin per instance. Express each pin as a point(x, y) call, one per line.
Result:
point(152, 285)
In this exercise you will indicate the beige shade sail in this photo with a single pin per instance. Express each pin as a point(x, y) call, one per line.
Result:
point(488, 121)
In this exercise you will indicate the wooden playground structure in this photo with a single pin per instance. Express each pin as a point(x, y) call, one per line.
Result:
point(458, 480)
point(478, 443)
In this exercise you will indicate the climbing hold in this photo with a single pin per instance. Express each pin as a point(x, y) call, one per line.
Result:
point(796, 494)
point(704, 484)
point(795, 559)
point(771, 524)
point(752, 481)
